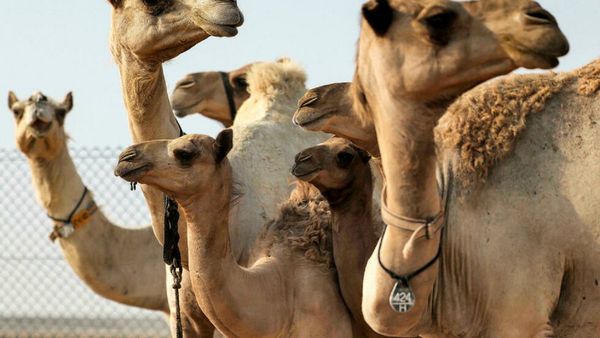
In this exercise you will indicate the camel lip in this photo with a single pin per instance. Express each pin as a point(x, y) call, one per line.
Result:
point(130, 172)
point(303, 119)
point(304, 175)
point(219, 29)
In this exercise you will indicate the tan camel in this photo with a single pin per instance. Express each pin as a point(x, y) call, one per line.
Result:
point(329, 109)
point(123, 265)
point(291, 290)
point(216, 95)
point(440, 50)
point(144, 34)
point(342, 173)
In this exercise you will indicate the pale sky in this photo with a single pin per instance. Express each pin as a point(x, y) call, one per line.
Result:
point(57, 46)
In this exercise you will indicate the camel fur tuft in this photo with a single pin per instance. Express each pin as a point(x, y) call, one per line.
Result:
point(303, 224)
point(589, 79)
point(273, 78)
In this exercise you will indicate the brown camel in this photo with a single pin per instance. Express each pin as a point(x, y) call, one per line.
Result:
point(437, 50)
point(329, 109)
point(290, 291)
point(123, 265)
point(216, 95)
point(342, 173)
point(144, 34)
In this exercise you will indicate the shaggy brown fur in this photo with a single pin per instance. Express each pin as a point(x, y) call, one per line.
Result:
point(483, 125)
point(589, 79)
point(303, 224)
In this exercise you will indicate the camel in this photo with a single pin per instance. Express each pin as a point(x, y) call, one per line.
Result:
point(144, 34)
point(291, 290)
point(433, 286)
point(329, 109)
point(342, 173)
point(123, 265)
point(216, 95)
point(260, 159)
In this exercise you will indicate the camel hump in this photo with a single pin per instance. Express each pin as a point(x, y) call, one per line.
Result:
point(481, 127)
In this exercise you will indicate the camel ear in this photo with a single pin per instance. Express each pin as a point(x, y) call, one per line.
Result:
point(223, 144)
point(67, 103)
point(364, 156)
point(64, 107)
point(12, 99)
point(116, 3)
point(379, 15)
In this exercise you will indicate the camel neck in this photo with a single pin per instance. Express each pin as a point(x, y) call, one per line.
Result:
point(409, 159)
point(146, 98)
point(405, 136)
point(150, 118)
point(353, 242)
point(57, 184)
point(233, 298)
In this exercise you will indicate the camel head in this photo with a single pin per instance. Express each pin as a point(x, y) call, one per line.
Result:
point(40, 133)
point(440, 48)
point(182, 167)
point(329, 109)
point(335, 167)
point(159, 30)
point(206, 93)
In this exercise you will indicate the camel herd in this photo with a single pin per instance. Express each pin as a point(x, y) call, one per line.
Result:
point(444, 204)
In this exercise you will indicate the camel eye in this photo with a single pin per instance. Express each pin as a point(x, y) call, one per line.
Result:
point(157, 7)
point(240, 83)
point(439, 25)
point(185, 156)
point(17, 113)
point(344, 159)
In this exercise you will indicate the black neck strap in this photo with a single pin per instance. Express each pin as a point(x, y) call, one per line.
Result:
point(70, 218)
point(407, 277)
point(229, 94)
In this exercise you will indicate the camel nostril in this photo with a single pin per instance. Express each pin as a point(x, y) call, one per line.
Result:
point(539, 16)
point(185, 84)
point(307, 101)
point(303, 157)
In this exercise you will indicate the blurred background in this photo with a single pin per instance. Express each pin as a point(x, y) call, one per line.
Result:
point(59, 46)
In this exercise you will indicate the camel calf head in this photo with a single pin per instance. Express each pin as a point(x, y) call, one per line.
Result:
point(335, 167)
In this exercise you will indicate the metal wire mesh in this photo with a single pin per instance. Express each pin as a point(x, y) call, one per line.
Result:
point(40, 296)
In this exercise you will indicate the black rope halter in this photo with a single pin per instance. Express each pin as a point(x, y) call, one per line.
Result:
point(229, 94)
point(171, 252)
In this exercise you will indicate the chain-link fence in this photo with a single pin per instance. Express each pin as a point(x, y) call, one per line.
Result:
point(40, 296)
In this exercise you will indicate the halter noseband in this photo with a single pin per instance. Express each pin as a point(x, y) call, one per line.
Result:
point(229, 94)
